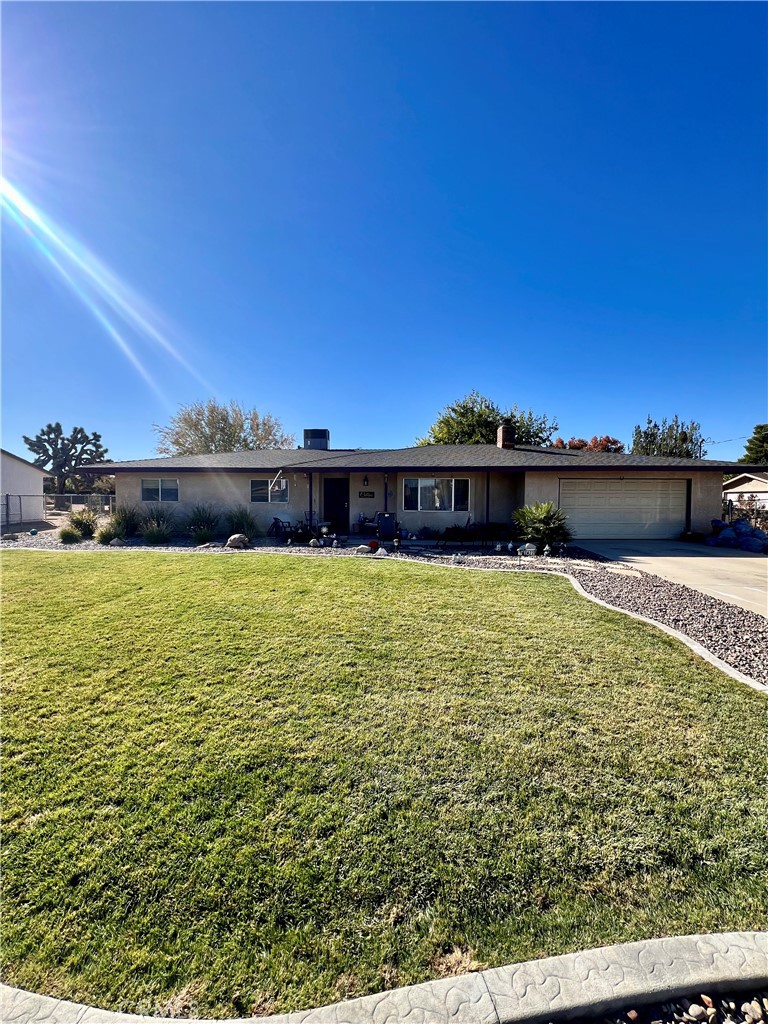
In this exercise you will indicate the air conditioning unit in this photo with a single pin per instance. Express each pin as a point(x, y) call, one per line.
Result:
point(320, 440)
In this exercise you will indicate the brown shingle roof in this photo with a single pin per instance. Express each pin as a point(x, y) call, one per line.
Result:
point(426, 458)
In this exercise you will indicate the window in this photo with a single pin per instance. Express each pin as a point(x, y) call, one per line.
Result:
point(262, 491)
point(160, 490)
point(435, 494)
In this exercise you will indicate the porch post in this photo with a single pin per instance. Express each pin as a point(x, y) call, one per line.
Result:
point(386, 488)
point(487, 498)
point(310, 501)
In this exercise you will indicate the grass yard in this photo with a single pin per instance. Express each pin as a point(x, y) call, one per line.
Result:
point(246, 784)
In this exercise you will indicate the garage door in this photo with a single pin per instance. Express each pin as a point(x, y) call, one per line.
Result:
point(624, 508)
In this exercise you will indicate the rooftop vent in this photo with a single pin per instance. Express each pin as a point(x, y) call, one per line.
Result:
point(319, 440)
point(505, 436)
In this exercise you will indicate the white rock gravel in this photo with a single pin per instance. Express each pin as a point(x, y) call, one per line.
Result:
point(736, 636)
point(746, 1007)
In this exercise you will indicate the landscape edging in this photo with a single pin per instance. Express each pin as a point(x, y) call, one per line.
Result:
point(580, 984)
point(694, 645)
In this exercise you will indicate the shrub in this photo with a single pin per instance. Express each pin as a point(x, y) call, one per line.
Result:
point(202, 523)
point(126, 520)
point(542, 524)
point(69, 535)
point(157, 524)
point(85, 521)
point(156, 531)
point(108, 533)
point(241, 520)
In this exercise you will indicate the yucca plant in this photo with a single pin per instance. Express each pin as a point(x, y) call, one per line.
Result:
point(85, 521)
point(69, 535)
point(241, 520)
point(126, 519)
point(542, 523)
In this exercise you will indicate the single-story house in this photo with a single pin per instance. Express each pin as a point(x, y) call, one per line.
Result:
point(21, 490)
point(746, 484)
point(604, 494)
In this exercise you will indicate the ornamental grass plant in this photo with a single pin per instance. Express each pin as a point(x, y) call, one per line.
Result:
point(85, 521)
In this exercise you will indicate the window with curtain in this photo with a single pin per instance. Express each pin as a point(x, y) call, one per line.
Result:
point(436, 494)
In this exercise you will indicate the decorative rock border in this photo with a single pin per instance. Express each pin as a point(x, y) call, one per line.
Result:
point(574, 985)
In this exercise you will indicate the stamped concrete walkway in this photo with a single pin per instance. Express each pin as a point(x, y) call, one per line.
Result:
point(574, 985)
point(739, 577)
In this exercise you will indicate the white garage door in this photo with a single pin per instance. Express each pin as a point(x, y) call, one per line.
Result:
point(624, 508)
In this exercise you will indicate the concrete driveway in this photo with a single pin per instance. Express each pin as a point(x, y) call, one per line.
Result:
point(735, 576)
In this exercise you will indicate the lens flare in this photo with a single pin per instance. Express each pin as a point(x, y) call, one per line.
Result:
point(94, 284)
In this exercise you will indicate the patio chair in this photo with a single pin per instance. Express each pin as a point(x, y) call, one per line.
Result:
point(280, 528)
point(311, 522)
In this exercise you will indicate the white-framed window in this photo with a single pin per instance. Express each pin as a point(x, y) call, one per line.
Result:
point(269, 490)
point(160, 489)
point(436, 494)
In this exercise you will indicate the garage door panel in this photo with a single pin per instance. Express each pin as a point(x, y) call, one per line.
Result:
point(654, 509)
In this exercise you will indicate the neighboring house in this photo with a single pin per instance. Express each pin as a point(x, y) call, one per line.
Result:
point(747, 484)
point(605, 495)
point(21, 490)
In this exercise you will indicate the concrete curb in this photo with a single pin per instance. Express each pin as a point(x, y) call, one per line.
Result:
point(575, 985)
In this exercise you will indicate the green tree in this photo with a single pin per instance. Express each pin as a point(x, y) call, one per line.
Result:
point(756, 448)
point(62, 455)
point(672, 438)
point(476, 419)
point(204, 428)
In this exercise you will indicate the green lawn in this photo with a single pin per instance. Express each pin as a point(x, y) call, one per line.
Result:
point(257, 783)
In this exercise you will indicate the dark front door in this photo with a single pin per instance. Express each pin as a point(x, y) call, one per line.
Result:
point(336, 505)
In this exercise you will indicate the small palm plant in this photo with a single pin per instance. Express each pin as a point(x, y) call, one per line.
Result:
point(542, 523)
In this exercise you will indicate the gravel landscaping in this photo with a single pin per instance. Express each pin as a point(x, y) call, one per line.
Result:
point(735, 635)
point(733, 1008)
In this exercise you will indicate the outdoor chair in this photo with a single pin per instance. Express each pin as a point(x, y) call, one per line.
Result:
point(280, 528)
point(386, 525)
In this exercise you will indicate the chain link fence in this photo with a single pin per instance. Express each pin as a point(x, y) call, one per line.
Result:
point(18, 509)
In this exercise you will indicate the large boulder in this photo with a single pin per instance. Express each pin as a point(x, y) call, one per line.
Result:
point(117, 542)
point(238, 541)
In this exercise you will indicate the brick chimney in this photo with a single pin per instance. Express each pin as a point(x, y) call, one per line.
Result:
point(505, 436)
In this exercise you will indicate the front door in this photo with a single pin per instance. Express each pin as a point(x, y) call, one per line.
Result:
point(336, 504)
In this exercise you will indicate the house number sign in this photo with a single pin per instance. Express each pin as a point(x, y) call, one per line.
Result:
point(366, 494)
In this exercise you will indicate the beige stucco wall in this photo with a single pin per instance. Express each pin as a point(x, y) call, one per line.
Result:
point(223, 491)
point(706, 490)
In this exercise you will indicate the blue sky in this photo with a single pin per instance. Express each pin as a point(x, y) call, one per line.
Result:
point(350, 215)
